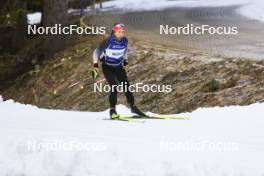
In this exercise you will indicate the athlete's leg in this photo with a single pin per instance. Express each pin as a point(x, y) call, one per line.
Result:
point(110, 77)
point(122, 79)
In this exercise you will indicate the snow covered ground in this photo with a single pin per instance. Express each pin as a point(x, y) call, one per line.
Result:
point(250, 8)
point(162, 4)
point(34, 18)
point(216, 141)
point(254, 10)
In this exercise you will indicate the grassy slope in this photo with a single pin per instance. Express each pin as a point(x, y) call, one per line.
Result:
point(63, 82)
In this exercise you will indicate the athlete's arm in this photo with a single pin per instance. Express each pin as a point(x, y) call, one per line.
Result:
point(125, 63)
point(99, 51)
point(95, 57)
point(125, 58)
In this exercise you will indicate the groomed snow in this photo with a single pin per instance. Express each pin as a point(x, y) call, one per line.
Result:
point(139, 149)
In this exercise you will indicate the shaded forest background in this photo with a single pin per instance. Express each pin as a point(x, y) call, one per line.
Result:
point(20, 52)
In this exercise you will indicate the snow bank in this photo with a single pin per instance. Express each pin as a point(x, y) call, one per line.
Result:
point(34, 18)
point(254, 10)
point(250, 8)
point(157, 147)
point(134, 5)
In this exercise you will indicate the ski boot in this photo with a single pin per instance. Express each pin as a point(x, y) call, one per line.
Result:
point(113, 113)
point(134, 109)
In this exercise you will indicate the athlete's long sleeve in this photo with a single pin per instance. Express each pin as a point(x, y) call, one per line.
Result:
point(98, 52)
point(125, 58)
point(96, 56)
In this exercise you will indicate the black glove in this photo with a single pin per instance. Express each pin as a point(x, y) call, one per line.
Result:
point(125, 63)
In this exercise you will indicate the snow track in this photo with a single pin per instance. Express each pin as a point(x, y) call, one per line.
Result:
point(123, 148)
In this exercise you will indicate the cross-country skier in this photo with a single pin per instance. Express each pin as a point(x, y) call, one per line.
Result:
point(112, 53)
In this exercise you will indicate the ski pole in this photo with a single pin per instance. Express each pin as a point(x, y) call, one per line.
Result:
point(102, 80)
